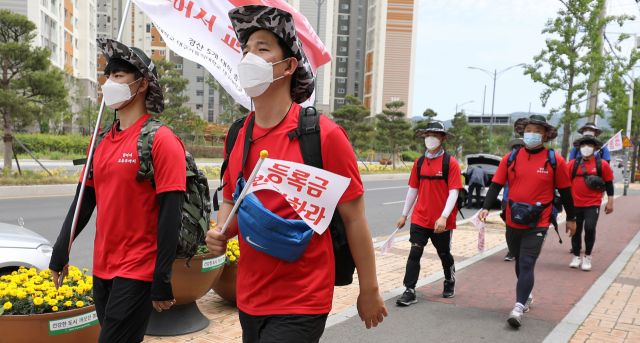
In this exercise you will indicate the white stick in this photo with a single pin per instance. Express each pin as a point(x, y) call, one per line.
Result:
point(263, 155)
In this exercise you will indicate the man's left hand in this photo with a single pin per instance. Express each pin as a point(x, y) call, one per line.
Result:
point(608, 208)
point(571, 228)
point(163, 305)
point(371, 308)
point(441, 225)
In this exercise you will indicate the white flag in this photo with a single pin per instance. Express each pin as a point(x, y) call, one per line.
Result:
point(615, 143)
point(201, 31)
point(388, 244)
point(313, 193)
point(475, 220)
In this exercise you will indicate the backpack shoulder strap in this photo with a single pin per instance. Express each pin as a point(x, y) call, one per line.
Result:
point(232, 136)
point(308, 132)
point(512, 157)
point(552, 159)
point(145, 144)
point(576, 165)
point(446, 158)
point(420, 162)
point(599, 166)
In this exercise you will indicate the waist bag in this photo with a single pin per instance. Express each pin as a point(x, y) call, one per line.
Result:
point(286, 239)
point(526, 214)
point(594, 182)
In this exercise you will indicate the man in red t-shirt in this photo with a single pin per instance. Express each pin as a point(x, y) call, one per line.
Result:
point(532, 182)
point(434, 216)
point(586, 199)
point(137, 226)
point(282, 301)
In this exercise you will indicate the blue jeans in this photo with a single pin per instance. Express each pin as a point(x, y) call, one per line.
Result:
point(478, 189)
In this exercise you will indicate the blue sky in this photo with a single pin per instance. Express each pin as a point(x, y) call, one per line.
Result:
point(490, 34)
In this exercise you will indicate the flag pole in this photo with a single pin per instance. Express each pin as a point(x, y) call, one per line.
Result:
point(87, 166)
point(263, 154)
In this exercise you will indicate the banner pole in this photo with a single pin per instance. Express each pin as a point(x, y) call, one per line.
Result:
point(87, 166)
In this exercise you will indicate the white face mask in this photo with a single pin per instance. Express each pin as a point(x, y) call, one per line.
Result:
point(256, 74)
point(588, 133)
point(431, 142)
point(115, 94)
point(586, 151)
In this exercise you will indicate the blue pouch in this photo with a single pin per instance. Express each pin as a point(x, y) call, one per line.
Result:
point(286, 239)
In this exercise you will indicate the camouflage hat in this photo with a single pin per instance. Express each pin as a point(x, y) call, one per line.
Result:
point(114, 49)
point(248, 19)
point(515, 142)
point(535, 119)
point(590, 125)
point(588, 140)
point(434, 126)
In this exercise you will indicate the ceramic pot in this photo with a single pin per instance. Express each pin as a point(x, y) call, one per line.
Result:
point(191, 284)
point(226, 285)
point(79, 325)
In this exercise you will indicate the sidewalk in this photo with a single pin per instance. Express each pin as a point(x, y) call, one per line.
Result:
point(225, 326)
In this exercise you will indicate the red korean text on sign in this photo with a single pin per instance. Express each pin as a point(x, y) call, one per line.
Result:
point(180, 6)
point(315, 190)
point(232, 42)
point(298, 206)
point(259, 181)
point(315, 212)
point(299, 179)
point(278, 173)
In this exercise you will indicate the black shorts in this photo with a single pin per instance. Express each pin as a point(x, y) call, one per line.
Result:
point(526, 241)
point(282, 328)
point(420, 236)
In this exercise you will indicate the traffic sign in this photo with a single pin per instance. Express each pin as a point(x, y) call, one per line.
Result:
point(627, 143)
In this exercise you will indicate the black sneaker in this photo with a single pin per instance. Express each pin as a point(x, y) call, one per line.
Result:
point(509, 257)
point(408, 298)
point(449, 288)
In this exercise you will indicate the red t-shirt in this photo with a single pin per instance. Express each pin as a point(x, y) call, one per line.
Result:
point(127, 221)
point(584, 196)
point(532, 181)
point(433, 194)
point(268, 285)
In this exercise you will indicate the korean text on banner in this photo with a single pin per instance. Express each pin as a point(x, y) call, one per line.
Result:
point(615, 143)
point(388, 244)
point(313, 193)
point(201, 31)
point(475, 220)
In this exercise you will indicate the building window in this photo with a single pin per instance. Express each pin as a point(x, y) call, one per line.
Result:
point(340, 101)
point(211, 101)
point(161, 39)
point(153, 38)
point(148, 28)
point(344, 17)
point(342, 59)
point(199, 93)
point(162, 53)
point(344, 27)
point(210, 116)
point(342, 80)
point(153, 52)
point(341, 90)
point(343, 38)
point(345, 6)
point(198, 106)
point(199, 78)
point(342, 70)
point(343, 48)
point(211, 90)
point(179, 66)
point(199, 66)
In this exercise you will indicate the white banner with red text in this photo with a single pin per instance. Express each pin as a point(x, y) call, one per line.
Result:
point(615, 143)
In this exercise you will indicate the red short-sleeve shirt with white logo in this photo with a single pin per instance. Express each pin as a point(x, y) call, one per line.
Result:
point(268, 285)
point(533, 180)
point(127, 220)
point(433, 194)
point(584, 196)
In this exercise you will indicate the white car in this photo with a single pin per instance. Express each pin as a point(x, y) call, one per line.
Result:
point(22, 247)
point(489, 164)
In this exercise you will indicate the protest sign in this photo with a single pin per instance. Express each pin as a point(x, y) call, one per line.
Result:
point(201, 31)
point(615, 143)
point(388, 244)
point(475, 220)
point(312, 192)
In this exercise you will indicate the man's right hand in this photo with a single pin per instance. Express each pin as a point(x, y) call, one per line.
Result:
point(483, 214)
point(401, 222)
point(56, 275)
point(216, 241)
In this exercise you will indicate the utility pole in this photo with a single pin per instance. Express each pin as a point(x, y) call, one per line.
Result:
point(626, 173)
point(484, 97)
point(493, 103)
point(593, 92)
point(315, 83)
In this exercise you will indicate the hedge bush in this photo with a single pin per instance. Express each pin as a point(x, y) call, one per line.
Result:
point(410, 156)
point(42, 143)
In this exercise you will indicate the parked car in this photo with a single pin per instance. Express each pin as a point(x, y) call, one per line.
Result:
point(22, 247)
point(489, 163)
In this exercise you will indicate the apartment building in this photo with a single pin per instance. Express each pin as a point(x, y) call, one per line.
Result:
point(390, 53)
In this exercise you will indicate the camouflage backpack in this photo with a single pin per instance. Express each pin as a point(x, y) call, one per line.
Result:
point(196, 207)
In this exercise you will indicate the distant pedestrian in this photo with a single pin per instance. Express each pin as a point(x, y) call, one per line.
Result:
point(478, 179)
point(533, 174)
point(513, 145)
point(590, 175)
point(591, 130)
point(435, 180)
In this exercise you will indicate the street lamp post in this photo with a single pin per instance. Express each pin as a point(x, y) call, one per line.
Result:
point(628, 132)
point(89, 113)
point(319, 3)
point(468, 102)
point(495, 75)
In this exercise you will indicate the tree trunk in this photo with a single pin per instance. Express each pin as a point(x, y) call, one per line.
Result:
point(8, 143)
point(634, 166)
point(394, 157)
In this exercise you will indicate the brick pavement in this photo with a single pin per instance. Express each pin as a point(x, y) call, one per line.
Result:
point(616, 317)
point(224, 324)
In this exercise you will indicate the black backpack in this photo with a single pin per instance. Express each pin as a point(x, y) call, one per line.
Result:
point(308, 132)
point(593, 182)
point(196, 206)
point(446, 158)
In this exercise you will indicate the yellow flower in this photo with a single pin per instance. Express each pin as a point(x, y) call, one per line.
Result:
point(3, 294)
point(79, 304)
point(85, 270)
point(90, 299)
point(47, 298)
point(68, 303)
point(60, 297)
point(237, 252)
point(232, 258)
point(54, 308)
point(52, 302)
point(14, 273)
point(7, 305)
point(228, 253)
point(37, 301)
point(22, 294)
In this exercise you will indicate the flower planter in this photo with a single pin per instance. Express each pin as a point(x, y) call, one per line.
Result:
point(80, 325)
point(226, 285)
point(189, 285)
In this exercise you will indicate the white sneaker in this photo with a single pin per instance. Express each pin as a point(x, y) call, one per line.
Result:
point(515, 317)
point(586, 263)
point(527, 306)
point(575, 263)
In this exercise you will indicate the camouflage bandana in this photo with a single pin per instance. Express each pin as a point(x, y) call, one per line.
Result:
point(248, 19)
point(114, 49)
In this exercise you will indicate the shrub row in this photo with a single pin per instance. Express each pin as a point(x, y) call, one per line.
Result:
point(41, 143)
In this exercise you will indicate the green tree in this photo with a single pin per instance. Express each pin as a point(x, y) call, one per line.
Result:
point(618, 104)
point(175, 115)
point(351, 117)
point(572, 59)
point(429, 114)
point(29, 82)
point(232, 110)
point(459, 128)
point(393, 128)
